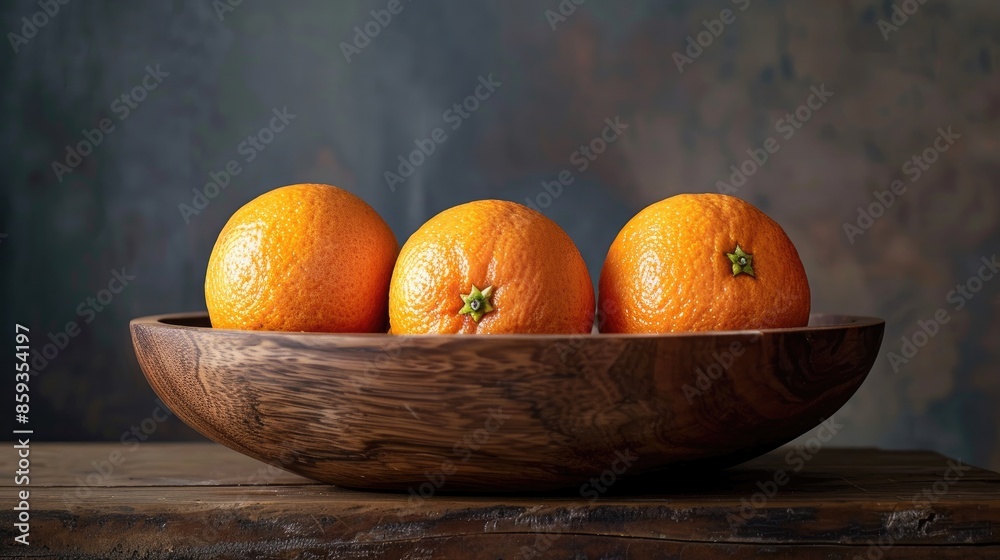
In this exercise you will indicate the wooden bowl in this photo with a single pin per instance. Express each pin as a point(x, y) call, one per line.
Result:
point(502, 413)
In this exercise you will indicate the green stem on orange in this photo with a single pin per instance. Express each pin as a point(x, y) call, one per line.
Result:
point(742, 261)
point(477, 303)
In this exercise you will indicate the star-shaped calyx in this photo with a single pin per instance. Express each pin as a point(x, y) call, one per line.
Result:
point(742, 262)
point(477, 303)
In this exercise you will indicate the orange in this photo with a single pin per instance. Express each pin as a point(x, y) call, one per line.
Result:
point(302, 258)
point(490, 266)
point(699, 262)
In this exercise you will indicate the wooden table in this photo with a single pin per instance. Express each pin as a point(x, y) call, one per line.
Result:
point(200, 500)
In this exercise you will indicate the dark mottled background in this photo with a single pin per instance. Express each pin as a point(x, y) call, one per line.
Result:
point(227, 70)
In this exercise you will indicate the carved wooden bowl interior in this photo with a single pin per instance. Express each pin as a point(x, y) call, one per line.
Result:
point(502, 413)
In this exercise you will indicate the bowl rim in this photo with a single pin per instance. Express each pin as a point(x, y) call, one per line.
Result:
point(853, 321)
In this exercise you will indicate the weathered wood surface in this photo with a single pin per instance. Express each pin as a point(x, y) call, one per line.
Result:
point(202, 500)
point(502, 412)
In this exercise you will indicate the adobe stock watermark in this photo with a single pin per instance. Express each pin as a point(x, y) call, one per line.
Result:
point(900, 15)
point(454, 116)
point(87, 310)
point(786, 127)
point(712, 372)
point(102, 471)
point(564, 10)
point(600, 484)
point(223, 7)
point(365, 33)
point(122, 107)
point(566, 349)
point(697, 44)
point(250, 148)
point(581, 158)
point(463, 449)
point(912, 168)
point(926, 498)
point(31, 25)
point(374, 368)
point(593, 489)
point(927, 329)
point(266, 474)
point(796, 460)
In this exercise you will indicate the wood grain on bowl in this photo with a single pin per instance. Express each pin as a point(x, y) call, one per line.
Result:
point(505, 413)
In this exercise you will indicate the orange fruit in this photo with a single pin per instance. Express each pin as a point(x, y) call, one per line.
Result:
point(699, 262)
point(302, 258)
point(490, 266)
